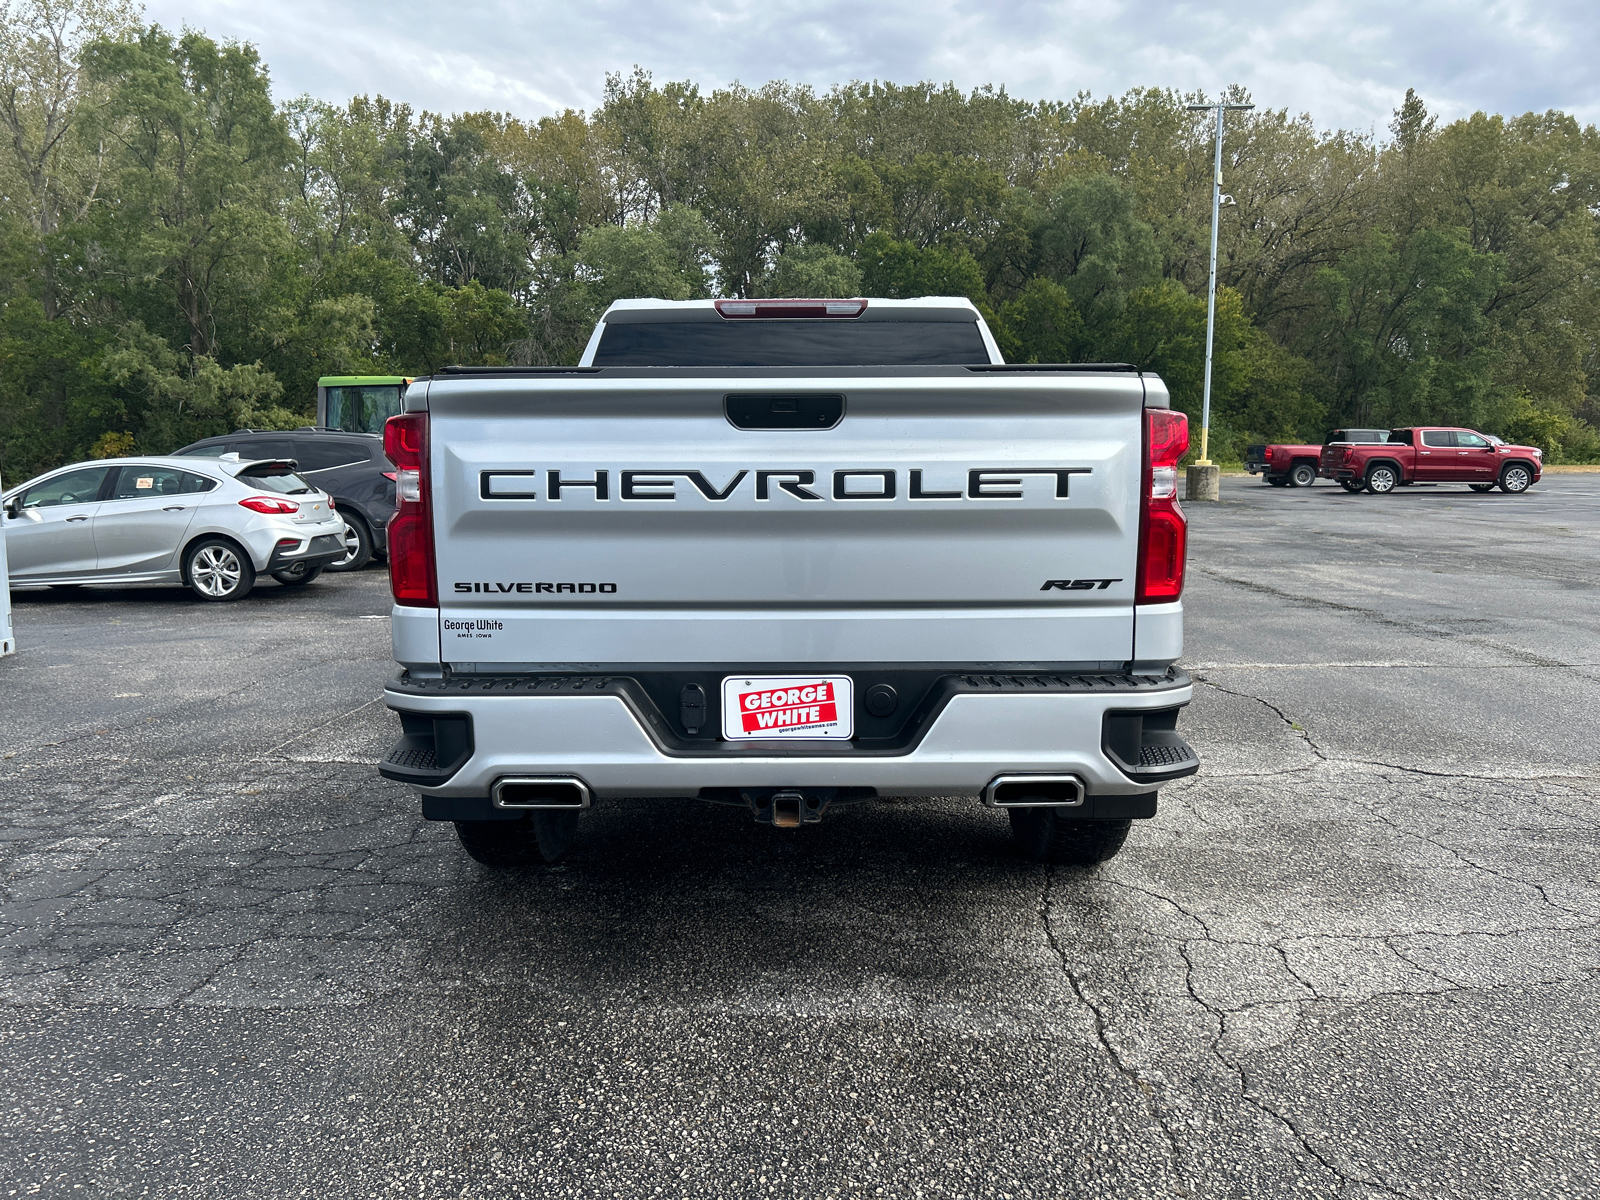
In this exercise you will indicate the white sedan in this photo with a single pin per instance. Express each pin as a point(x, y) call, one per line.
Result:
point(211, 524)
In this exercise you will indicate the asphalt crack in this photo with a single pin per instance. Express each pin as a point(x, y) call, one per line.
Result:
point(1146, 1093)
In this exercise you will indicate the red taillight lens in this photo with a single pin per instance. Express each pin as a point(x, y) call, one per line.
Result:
point(411, 569)
point(1163, 532)
point(271, 505)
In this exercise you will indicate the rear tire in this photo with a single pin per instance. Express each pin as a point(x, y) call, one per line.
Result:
point(1278, 480)
point(1303, 475)
point(1045, 835)
point(1516, 479)
point(1351, 485)
point(540, 837)
point(1382, 479)
point(357, 545)
point(216, 569)
point(1481, 487)
point(297, 577)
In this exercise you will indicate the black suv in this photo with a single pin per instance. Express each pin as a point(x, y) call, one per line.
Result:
point(350, 467)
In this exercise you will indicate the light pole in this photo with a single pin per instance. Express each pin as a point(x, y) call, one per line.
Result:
point(1204, 484)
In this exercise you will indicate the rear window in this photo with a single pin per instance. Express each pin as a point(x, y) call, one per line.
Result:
point(782, 343)
point(270, 477)
point(1374, 436)
point(214, 450)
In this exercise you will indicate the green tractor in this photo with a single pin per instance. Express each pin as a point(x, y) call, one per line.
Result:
point(358, 403)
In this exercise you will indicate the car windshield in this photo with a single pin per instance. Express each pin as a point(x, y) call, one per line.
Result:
point(276, 477)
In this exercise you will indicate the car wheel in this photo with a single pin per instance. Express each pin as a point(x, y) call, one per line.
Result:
point(1351, 485)
point(540, 837)
point(216, 569)
point(1481, 487)
point(1516, 479)
point(1278, 480)
point(298, 575)
point(1303, 475)
point(1044, 835)
point(357, 546)
point(1382, 479)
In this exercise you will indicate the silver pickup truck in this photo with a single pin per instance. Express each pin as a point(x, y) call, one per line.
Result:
point(788, 555)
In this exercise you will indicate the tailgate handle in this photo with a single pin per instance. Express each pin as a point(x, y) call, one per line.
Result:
point(783, 410)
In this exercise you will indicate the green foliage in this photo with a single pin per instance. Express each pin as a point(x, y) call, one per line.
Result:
point(180, 255)
point(812, 271)
point(904, 270)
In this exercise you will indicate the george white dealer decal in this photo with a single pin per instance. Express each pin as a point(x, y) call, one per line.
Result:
point(873, 483)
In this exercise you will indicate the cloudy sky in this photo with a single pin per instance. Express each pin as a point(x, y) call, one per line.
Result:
point(1347, 62)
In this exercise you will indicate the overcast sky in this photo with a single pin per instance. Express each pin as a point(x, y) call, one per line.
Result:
point(1347, 62)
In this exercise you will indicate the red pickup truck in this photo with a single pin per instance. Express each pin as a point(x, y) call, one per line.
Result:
point(1431, 454)
point(1286, 465)
point(1283, 465)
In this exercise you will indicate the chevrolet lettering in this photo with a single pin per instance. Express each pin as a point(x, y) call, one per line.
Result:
point(788, 555)
point(660, 483)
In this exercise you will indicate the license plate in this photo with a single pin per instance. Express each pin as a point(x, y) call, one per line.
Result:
point(787, 706)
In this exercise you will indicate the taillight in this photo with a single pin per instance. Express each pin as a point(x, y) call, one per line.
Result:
point(755, 310)
point(411, 570)
point(1163, 533)
point(271, 505)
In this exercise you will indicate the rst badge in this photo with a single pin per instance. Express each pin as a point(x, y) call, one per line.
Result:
point(787, 706)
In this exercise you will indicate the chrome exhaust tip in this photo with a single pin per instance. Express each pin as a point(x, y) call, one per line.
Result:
point(1034, 791)
point(521, 792)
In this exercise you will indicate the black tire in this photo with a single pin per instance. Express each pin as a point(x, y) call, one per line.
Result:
point(1481, 487)
point(1278, 480)
point(297, 577)
point(540, 837)
point(1351, 485)
point(1516, 479)
point(1302, 475)
point(1045, 835)
point(65, 587)
point(218, 570)
point(1382, 479)
point(357, 543)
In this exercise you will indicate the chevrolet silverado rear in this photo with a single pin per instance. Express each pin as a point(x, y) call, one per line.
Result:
point(788, 555)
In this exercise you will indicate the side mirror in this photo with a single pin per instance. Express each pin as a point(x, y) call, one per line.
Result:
point(14, 507)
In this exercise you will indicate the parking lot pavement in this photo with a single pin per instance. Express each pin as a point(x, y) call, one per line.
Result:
point(1356, 957)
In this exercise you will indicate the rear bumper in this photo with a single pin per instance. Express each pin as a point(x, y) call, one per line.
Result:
point(603, 733)
point(314, 551)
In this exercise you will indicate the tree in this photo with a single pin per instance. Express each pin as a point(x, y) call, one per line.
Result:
point(51, 173)
point(200, 153)
point(812, 271)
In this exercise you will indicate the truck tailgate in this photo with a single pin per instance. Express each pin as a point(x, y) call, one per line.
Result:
point(954, 516)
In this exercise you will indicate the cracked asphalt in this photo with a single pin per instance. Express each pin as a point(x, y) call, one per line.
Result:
point(1356, 957)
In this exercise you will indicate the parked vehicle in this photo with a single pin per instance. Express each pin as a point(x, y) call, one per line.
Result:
point(350, 467)
point(1433, 454)
point(212, 525)
point(787, 555)
point(1289, 465)
point(358, 403)
point(1283, 465)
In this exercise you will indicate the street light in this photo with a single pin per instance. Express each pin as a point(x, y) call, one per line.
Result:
point(1211, 291)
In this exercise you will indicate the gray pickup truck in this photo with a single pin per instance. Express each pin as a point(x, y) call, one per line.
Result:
point(788, 555)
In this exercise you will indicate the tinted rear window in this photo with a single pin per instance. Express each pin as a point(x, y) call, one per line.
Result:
point(274, 479)
point(779, 343)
